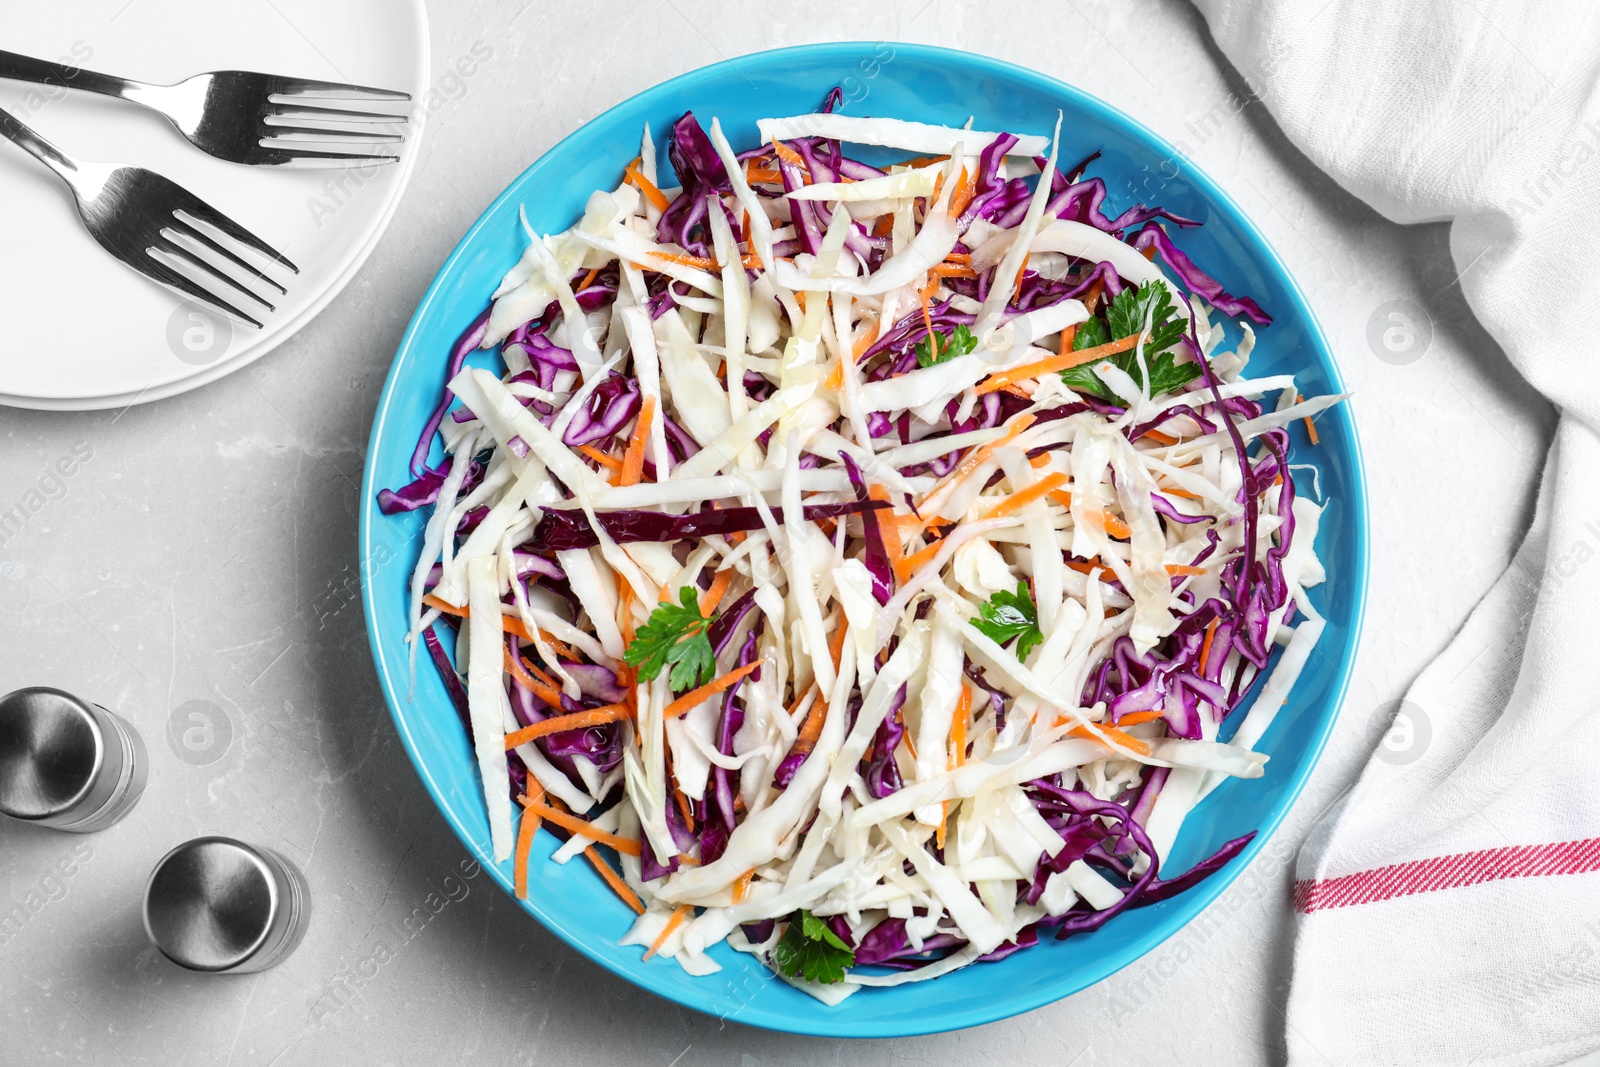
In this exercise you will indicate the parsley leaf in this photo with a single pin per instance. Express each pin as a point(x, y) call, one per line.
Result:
point(1009, 615)
point(810, 949)
point(1125, 317)
point(1126, 314)
point(674, 634)
point(956, 343)
point(1091, 334)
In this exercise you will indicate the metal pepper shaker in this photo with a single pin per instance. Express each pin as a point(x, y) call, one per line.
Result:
point(66, 763)
point(224, 907)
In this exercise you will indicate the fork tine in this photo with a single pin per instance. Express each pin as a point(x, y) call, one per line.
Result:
point(293, 154)
point(283, 109)
point(195, 233)
point(166, 275)
point(172, 248)
point(204, 212)
point(360, 136)
point(292, 86)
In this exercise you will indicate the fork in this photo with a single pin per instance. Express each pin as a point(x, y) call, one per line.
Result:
point(135, 214)
point(229, 113)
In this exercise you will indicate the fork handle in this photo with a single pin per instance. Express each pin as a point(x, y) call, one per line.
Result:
point(18, 131)
point(28, 69)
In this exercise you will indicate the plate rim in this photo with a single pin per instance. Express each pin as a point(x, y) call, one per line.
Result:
point(953, 1016)
point(212, 372)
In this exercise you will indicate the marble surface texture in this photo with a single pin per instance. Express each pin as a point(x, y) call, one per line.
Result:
point(201, 560)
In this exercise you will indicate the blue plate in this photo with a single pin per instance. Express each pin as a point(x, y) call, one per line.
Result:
point(931, 85)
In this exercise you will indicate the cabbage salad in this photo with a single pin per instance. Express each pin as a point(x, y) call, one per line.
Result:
point(861, 565)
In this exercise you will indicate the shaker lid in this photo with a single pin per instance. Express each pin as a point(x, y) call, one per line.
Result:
point(51, 751)
point(212, 904)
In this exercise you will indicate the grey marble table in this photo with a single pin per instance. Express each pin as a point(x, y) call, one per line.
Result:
point(198, 568)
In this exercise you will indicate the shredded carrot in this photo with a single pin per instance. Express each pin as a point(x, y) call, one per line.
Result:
point(961, 196)
point(1134, 718)
point(958, 257)
point(884, 226)
point(626, 675)
point(546, 690)
point(789, 155)
point(677, 793)
point(1027, 496)
point(864, 342)
point(685, 260)
point(1127, 741)
point(614, 880)
point(1041, 460)
point(633, 458)
point(1055, 363)
point(557, 645)
point(577, 720)
point(1181, 492)
point(625, 607)
point(1184, 569)
point(1148, 253)
point(754, 174)
point(609, 462)
point(919, 559)
point(952, 270)
point(683, 803)
point(530, 826)
point(957, 755)
point(510, 624)
point(588, 279)
point(695, 697)
point(835, 379)
point(1062, 497)
point(1205, 649)
point(905, 735)
point(1022, 270)
point(584, 828)
point(713, 596)
point(1161, 438)
point(958, 728)
point(750, 261)
point(744, 229)
point(977, 458)
point(741, 885)
point(836, 642)
point(925, 295)
point(549, 682)
point(889, 530)
point(1311, 427)
point(811, 729)
point(678, 915)
point(1092, 299)
point(1068, 335)
point(645, 185)
point(1110, 523)
point(1088, 568)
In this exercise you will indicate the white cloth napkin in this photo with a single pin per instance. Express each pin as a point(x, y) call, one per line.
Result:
point(1448, 910)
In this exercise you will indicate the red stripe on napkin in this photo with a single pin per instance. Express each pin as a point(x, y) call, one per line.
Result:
point(1448, 872)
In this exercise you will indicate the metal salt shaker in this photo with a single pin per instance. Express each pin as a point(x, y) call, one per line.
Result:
point(224, 907)
point(66, 763)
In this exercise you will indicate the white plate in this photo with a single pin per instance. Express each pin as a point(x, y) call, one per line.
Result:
point(79, 330)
